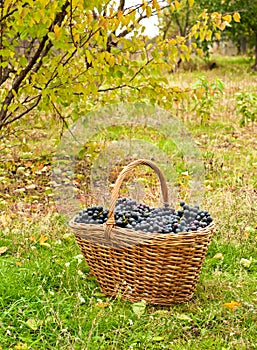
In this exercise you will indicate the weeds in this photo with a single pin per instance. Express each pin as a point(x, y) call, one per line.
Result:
point(247, 107)
point(205, 96)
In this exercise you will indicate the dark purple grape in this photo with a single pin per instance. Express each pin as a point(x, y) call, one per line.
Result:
point(140, 217)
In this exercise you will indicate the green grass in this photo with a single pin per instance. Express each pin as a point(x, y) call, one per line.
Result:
point(48, 298)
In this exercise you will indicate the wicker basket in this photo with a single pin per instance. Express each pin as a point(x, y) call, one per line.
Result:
point(158, 268)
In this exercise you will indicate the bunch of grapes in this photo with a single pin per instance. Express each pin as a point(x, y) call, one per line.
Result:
point(140, 217)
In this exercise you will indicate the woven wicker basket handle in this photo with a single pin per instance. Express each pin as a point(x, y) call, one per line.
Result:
point(115, 192)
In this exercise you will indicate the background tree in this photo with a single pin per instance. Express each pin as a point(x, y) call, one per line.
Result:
point(245, 31)
point(179, 18)
point(65, 57)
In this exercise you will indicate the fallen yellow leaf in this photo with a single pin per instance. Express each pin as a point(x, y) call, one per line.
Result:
point(236, 17)
point(33, 238)
point(3, 250)
point(218, 256)
point(47, 245)
point(102, 304)
point(246, 262)
point(231, 305)
point(42, 239)
point(246, 235)
point(227, 18)
point(5, 219)
point(20, 346)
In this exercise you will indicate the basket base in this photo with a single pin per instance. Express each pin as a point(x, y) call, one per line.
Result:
point(161, 300)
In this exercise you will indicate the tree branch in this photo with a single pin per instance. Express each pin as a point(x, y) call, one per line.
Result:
point(131, 79)
point(112, 88)
point(6, 122)
point(121, 5)
point(18, 79)
point(8, 15)
point(71, 25)
point(140, 70)
point(165, 31)
point(5, 74)
point(11, 12)
point(179, 24)
point(1, 43)
point(132, 26)
point(64, 122)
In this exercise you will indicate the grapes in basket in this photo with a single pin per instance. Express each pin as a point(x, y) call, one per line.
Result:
point(140, 217)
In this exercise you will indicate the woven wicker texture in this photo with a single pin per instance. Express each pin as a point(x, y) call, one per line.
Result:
point(158, 268)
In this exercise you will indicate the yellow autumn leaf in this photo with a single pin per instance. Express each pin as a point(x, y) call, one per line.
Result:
point(102, 304)
point(80, 5)
point(177, 4)
point(47, 245)
point(236, 17)
point(185, 174)
point(76, 37)
point(5, 219)
point(231, 305)
point(246, 235)
point(227, 18)
point(156, 5)
point(172, 7)
point(247, 232)
point(218, 256)
point(217, 21)
point(57, 32)
point(217, 35)
point(32, 238)
point(24, 12)
point(149, 46)
point(111, 60)
point(199, 93)
point(191, 3)
point(42, 239)
point(209, 35)
point(246, 262)
point(119, 15)
point(3, 250)
point(223, 25)
point(20, 346)
point(43, 2)
point(148, 11)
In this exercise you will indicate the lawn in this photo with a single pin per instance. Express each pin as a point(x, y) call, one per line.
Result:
point(48, 298)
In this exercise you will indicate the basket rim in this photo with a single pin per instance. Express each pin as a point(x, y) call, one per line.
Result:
point(154, 235)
